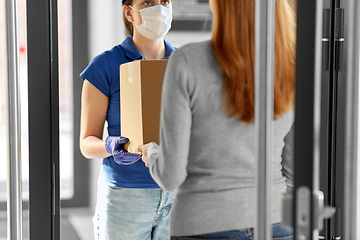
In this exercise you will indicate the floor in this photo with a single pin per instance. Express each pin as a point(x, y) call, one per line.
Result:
point(75, 224)
point(81, 221)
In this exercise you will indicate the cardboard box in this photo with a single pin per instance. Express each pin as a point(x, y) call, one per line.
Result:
point(140, 100)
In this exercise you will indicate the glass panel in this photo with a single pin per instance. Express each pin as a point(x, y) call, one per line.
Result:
point(65, 54)
point(3, 102)
point(3, 116)
point(24, 113)
point(24, 98)
point(66, 100)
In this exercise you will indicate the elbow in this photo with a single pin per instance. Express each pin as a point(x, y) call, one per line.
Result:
point(169, 182)
point(83, 149)
point(168, 175)
point(84, 153)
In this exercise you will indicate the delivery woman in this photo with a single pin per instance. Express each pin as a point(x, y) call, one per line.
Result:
point(130, 205)
point(207, 137)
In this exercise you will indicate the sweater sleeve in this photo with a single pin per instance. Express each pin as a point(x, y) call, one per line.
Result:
point(168, 162)
point(288, 158)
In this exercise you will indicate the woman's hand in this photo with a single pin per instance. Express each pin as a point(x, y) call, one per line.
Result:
point(115, 146)
point(144, 150)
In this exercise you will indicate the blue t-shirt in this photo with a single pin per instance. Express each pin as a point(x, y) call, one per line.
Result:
point(103, 72)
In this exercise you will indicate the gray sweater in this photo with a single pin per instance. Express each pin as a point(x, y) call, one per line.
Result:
point(206, 156)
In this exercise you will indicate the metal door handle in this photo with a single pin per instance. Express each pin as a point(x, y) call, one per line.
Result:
point(303, 208)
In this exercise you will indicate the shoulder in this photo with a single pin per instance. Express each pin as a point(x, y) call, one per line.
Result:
point(108, 56)
point(169, 48)
point(192, 53)
point(197, 57)
point(103, 69)
point(194, 49)
point(283, 124)
point(287, 116)
point(115, 54)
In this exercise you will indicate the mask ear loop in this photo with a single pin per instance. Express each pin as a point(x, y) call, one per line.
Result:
point(133, 8)
point(136, 10)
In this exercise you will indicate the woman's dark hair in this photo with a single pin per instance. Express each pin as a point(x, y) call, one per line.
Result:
point(128, 25)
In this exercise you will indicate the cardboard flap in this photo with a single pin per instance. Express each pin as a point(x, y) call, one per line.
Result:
point(130, 96)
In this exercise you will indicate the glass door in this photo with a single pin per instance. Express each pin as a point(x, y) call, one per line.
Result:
point(326, 120)
point(340, 41)
point(56, 50)
point(332, 114)
point(73, 189)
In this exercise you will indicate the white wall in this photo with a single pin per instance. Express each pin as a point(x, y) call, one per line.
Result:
point(106, 28)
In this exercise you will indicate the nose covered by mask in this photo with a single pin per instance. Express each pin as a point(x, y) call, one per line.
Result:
point(156, 21)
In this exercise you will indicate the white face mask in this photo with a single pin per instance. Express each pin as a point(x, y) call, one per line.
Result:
point(156, 21)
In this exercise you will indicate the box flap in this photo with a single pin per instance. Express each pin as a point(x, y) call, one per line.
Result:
point(130, 96)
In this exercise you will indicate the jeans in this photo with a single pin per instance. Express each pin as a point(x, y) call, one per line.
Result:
point(279, 233)
point(131, 213)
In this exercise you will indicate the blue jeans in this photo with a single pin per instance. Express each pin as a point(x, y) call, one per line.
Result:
point(279, 233)
point(131, 213)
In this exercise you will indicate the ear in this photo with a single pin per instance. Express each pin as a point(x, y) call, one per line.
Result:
point(127, 13)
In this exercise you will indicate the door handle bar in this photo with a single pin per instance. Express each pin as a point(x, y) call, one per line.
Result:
point(14, 204)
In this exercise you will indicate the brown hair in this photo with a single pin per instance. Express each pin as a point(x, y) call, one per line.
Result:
point(128, 25)
point(233, 43)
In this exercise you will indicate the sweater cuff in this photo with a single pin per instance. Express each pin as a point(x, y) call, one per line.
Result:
point(153, 153)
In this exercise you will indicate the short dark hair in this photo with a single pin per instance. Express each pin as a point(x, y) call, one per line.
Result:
point(128, 25)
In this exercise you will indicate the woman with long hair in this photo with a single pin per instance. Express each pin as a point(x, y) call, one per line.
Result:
point(207, 134)
point(130, 205)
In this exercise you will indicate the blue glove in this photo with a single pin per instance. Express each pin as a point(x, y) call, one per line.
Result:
point(115, 146)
